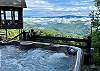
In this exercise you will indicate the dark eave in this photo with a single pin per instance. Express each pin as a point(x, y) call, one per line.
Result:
point(13, 3)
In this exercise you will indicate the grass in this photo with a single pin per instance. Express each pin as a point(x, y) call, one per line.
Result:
point(10, 33)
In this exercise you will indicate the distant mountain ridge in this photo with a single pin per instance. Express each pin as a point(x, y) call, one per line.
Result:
point(66, 16)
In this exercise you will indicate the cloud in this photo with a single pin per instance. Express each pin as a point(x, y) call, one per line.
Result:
point(38, 3)
point(27, 9)
point(59, 7)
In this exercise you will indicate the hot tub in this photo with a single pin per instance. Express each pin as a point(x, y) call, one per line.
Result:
point(37, 56)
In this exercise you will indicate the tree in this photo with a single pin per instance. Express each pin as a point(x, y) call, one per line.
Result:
point(97, 3)
point(95, 15)
point(95, 24)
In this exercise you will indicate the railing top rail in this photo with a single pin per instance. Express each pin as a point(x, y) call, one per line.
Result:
point(63, 38)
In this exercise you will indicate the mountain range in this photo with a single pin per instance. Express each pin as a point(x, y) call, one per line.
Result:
point(66, 16)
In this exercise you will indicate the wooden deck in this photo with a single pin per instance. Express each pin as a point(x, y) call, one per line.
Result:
point(87, 68)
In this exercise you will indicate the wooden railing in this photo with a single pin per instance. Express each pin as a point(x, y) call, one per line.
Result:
point(83, 43)
point(9, 24)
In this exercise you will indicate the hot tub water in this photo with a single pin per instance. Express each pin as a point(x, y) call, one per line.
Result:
point(14, 59)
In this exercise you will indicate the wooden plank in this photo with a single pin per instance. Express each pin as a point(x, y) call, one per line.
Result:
point(2, 33)
point(6, 8)
point(0, 17)
point(20, 18)
point(63, 38)
point(13, 16)
point(4, 16)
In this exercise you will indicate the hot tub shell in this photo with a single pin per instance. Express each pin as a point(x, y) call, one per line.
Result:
point(79, 52)
point(63, 48)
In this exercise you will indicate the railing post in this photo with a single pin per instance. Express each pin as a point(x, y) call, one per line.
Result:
point(88, 50)
point(24, 35)
point(33, 35)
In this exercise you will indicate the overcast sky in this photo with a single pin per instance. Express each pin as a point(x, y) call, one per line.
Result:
point(40, 8)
